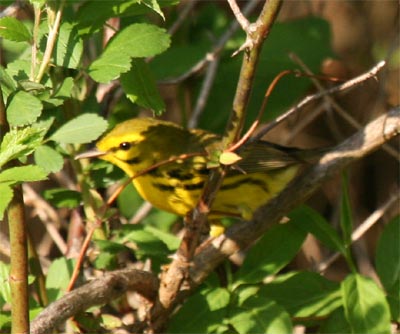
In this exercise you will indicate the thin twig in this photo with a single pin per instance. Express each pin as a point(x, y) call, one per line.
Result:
point(244, 23)
point(340, 88)
point(341, 112)
point(189, 5)
point(362, 229)
point(204, 93)
point(218, 47)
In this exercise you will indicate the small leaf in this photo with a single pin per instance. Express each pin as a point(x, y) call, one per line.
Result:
point(23, 109)
point(80, 130)
point(48, 158)
point(63, 198)
point(138, 40)
point(5, 199)
point(14, 30)
point(19, 174)
point(153, 4)
point(365, 305)
point(140, 87)
point(229, 158)
point(18, 143)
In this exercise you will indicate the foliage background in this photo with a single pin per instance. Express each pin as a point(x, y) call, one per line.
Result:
point(278, 286)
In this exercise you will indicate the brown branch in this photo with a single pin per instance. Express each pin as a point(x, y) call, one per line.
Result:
point(242, 235)
point(96, 292)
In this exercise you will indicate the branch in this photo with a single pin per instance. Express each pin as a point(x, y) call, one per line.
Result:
point(96, 292)
point(242, 235)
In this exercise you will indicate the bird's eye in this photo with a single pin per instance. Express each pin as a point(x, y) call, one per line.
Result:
point(125, 146)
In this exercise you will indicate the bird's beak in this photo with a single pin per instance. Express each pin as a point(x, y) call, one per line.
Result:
point(90, 154)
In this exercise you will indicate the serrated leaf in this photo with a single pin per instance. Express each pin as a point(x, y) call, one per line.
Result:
point(69, 47)
point(365, 305)
point(260, 315)
point(271, 253)
point(48, 158)
point(5, 198)
point(18, 143)
point(140, 87)
point(23, 109)
point(63, 198)
point(80, 130)
point(19, 174)
point(138, 40)
point(14, 30)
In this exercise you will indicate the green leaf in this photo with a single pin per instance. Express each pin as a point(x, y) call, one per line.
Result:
point(271, 253)
point(23, 109)
point(202, 313)
point(19, 174)
point(69, 47)
point(140, 87)
point(346, 219)
point(387, 261)
point(170, 240)
point(336, 323)
point(63, 198)
point(18, 143)
point(303, 294)
point(14, 30)
point(8, 85)
point(5, 198)
point(108, 256)
point(388, 255)
point(147, 244)
point(260, 315)
point(365, 305)
point(138, 40)
point(48, 158)
point(59, 273)
point(153, 4)
point(311, 221)
point(80, 130)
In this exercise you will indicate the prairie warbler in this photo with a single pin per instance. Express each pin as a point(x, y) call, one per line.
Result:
point(172, 164)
